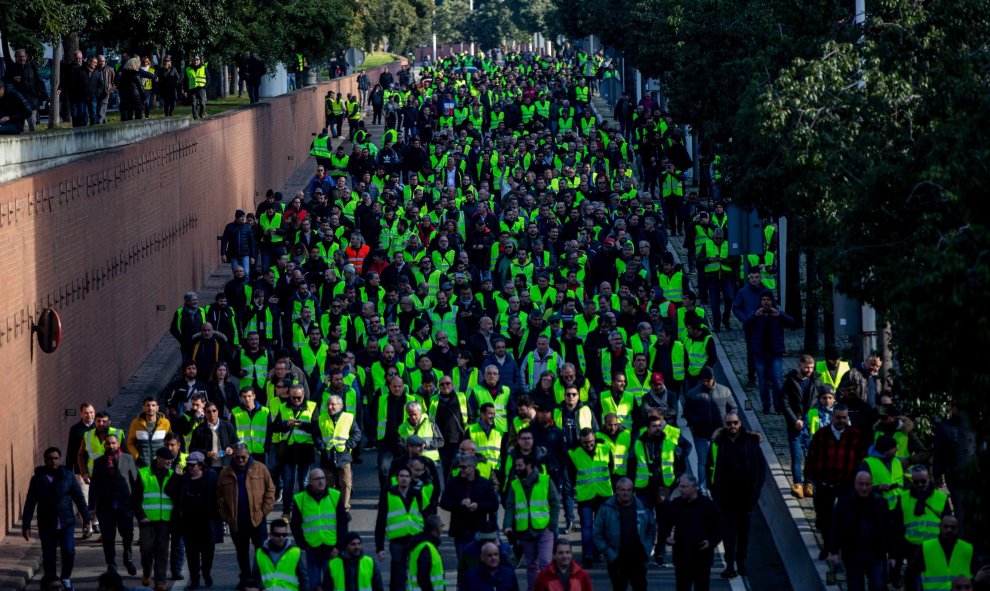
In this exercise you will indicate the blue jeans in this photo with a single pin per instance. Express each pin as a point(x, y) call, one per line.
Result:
point(11, 129)
point(701, 445)
point(797, 444)
point(399, 553)
point(719, 295)
point(52, 540)
point(538, 552)
point(587, 513)
point(80, 113)
point(316, 564)
point(243, 262)
point(858, 569)
point(291, 474)
point(567, 498)
point(768, 368)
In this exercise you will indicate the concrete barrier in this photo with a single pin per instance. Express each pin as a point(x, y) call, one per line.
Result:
point(27, 154)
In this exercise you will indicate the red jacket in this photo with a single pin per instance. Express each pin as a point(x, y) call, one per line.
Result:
point(549, 580)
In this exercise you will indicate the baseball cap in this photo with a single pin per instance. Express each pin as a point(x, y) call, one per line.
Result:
point(195, 457)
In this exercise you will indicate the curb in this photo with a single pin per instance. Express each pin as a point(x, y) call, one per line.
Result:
point(793, 533)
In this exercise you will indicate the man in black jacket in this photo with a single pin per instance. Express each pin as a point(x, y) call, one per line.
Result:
point(23, 76)
point(801, 388)
point(471, 500)
point(114, 473)
point(696, 524)
point(237, 244)
point(53, 491)
point(14, 110)
point(737, 471)
point(214, 438)
point(862, 535)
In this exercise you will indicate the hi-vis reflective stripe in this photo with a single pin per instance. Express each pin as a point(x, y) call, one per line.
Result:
point(539, 509)
point(592, 475)
point(321, 517)
point(271, 581)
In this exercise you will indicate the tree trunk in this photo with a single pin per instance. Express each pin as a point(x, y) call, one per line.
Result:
point(812, 303)
point(54, 103)
point(70, 45)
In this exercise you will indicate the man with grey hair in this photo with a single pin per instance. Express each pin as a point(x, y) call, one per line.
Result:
point(337, 433)
point(247, 479)
point(319, 523)
point(418, 423)
point(108, 85)
point(624, 531)
point(692, 525)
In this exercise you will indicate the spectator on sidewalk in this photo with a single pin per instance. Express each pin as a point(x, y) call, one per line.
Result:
point(764, 331)
point(801, 389)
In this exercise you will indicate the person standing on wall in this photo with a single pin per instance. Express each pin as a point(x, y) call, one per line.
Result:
point(196, 81)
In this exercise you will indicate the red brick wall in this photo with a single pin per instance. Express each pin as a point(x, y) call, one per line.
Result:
point(106, 239)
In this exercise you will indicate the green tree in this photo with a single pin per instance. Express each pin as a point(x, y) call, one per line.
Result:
point(450, 21)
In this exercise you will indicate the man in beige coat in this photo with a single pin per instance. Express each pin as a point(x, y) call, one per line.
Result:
point(245, 478)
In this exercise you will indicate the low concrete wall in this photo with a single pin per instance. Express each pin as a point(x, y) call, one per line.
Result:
point(111, 241)
point(24, 155)
point(792, 532)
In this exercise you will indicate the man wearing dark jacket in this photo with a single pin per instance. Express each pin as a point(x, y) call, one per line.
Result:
point(861, 535)
point(765, 341)
point(696, 524)
point(237, 244)
point(53, 491)
point(214, 438)
point(800, 390)
point(14, 110)
point(23, 76)
point(705, 408)
point(114, 474)
point(737, 471)
point(471, 500)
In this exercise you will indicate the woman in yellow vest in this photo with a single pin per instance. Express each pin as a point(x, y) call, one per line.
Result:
point(149, 86)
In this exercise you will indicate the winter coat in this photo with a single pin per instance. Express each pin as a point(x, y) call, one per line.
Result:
point(797, 402)
point(53, 499)
point(112, 493)
point(737, 474)
point(608, 528)
point(705, 410)
point(260, 493)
